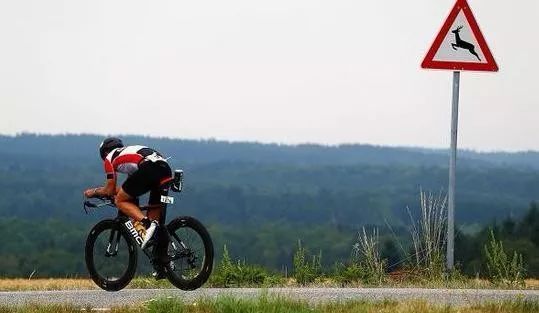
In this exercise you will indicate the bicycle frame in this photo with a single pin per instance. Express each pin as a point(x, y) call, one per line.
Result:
point(123, 219)
point(127, 224)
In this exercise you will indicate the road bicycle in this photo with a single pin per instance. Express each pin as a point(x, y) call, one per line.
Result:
point(181, 251)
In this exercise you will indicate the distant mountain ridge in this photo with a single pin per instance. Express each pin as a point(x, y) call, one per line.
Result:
point(210, 151)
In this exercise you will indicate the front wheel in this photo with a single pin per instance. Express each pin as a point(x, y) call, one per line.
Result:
point(111, 255)
point(190, 253)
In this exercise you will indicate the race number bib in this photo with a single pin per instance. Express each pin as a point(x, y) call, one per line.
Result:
point(167, 200)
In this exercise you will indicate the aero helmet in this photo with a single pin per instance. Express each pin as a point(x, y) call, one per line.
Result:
point(108, 145)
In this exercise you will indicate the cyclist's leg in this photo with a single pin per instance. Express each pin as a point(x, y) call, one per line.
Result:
point(160, 188)
point(154, 202)
point(124, 202)
point(154, 214)
point(134, 186)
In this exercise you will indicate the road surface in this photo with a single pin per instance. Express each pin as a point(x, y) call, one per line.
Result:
point(104, 299)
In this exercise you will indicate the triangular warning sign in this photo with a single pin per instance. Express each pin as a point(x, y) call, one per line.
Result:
point(460, 45)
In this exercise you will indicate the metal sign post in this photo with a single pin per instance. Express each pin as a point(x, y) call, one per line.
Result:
point(452, 172)
point(459, 46)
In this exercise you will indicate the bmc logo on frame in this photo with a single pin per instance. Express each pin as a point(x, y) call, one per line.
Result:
point(133, 232)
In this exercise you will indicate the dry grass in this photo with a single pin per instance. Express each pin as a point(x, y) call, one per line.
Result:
point(20, 284)
point(429, 234)
point(532, 283)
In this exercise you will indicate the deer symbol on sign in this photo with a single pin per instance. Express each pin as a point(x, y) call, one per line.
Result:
point(463, 44)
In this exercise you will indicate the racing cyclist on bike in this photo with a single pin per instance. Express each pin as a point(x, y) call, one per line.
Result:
point(147, 170)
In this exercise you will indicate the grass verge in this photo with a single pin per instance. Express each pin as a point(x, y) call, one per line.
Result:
point(265, 304)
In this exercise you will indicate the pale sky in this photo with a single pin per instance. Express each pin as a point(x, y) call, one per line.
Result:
point(286, 71)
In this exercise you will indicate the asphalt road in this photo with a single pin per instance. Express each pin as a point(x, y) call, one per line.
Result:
point(103, 299)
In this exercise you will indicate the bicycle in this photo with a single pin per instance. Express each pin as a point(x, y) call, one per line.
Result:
point(111, 251)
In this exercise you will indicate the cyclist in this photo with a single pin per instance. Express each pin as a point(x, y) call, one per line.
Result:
point(147, 170)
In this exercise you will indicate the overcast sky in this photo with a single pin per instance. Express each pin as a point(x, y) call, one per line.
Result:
point(286, 71)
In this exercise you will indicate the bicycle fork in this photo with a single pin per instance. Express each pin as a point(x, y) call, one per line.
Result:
point(116, 243)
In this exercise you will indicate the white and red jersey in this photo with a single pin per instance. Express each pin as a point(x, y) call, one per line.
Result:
point(127, 159)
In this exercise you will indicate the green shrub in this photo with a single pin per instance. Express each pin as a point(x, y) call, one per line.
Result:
point(240, 274)
point(306, 271)
point(365, 265)
point(247, 274)
point(501, 269)
point(366, 253)
point(348, 273)
point(224, 275)
point(274, 280)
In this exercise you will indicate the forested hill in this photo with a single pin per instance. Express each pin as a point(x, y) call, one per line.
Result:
point(211, 151)
point(351, 184)
point(257, 198)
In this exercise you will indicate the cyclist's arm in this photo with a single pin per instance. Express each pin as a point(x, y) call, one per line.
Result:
point(109, 189)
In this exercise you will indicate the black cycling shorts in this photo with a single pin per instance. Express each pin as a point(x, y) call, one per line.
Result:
point(154, 177)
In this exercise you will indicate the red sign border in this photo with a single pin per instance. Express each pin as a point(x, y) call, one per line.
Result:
point(430, 63)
